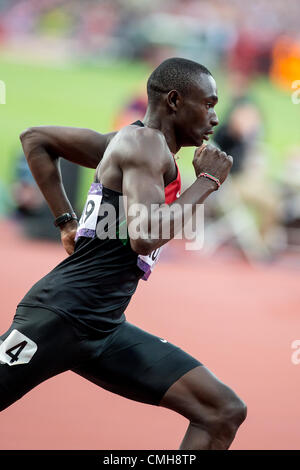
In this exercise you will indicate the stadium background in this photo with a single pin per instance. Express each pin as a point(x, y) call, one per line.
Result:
point(235, 304)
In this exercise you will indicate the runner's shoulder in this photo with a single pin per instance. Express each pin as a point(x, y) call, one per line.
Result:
point(142, 145)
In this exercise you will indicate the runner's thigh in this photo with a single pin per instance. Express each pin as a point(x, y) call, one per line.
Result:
point(137, 365)
point(38, 345)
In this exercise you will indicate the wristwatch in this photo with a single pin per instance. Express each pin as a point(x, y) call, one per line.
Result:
point(64, 218)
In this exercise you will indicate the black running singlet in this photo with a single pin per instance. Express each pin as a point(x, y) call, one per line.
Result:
point(94, 285)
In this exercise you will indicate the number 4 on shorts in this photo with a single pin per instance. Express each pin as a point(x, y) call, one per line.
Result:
point(17, 349)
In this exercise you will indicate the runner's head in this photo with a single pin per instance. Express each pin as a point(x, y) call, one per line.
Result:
point(185, 93)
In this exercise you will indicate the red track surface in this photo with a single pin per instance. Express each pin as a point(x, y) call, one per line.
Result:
point(238, 320)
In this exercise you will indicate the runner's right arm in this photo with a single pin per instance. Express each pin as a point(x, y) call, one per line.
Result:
point(43, 146)
point(78, 145)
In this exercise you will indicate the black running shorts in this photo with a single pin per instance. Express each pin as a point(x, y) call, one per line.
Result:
point(128, 361)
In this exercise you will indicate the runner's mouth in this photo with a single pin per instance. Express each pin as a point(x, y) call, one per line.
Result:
point(207, 134)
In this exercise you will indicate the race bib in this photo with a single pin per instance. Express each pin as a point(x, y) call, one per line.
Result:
point(88, 220)
point(88, 224)
point(17, 349)
point(147, 263)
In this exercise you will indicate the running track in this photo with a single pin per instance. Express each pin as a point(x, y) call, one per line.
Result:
point(240, 321)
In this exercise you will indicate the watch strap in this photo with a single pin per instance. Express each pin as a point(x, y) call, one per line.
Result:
point(64, 218)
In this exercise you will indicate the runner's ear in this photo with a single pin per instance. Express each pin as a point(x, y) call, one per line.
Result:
point(173, 99)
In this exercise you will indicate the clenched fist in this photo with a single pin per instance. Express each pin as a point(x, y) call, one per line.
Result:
point(67, 234)
point(209, 159)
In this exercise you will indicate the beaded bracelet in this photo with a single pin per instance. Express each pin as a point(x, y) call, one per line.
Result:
point(211, 177)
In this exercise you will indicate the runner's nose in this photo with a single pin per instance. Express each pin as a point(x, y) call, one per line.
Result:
point(214, 121)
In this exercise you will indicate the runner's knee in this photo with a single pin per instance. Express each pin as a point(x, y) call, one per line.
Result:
point(232, 413)
point(223, 419)
point(235, 412)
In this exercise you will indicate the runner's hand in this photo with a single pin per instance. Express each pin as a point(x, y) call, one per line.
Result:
point(209, 159)
point(67, 234)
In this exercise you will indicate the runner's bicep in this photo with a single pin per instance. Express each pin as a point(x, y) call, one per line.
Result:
point(78, 145)
point(142, 186)
point(143, 192)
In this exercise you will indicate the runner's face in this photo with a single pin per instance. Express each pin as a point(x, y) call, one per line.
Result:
point(198, 116)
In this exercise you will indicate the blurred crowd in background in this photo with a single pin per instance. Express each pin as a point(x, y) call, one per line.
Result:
point(255, 213)
point(144, 29)
point(244, 34)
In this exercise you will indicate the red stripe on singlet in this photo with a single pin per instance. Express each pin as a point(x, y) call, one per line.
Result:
point(172, 190)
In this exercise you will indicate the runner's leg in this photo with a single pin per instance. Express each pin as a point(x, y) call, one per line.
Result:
point(215, 412)
point(38, 345)
point(149, 369)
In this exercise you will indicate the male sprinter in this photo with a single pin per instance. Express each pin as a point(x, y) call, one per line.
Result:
point(73, 318)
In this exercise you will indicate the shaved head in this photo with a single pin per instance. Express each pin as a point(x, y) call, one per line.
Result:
point(174, 74)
